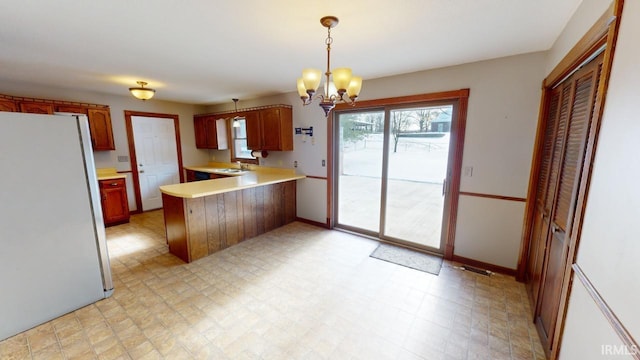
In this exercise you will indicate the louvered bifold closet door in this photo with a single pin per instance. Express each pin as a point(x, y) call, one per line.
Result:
point(558, 147)
point(541, 218)
point(581, 115)
point(583, 87)
point(547, 150)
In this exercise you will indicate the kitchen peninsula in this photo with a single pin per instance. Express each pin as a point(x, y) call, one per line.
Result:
point(204, 217)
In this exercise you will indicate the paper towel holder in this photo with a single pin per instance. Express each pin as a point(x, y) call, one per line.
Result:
point(259, 153)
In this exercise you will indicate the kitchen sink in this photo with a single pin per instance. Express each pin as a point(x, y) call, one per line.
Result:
point(230, 170)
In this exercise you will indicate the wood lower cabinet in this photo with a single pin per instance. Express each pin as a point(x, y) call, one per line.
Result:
point(198, 227)
point(190, 175)
point(115, 205)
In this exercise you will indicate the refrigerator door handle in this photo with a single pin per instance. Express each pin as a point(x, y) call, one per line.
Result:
point(92, 181)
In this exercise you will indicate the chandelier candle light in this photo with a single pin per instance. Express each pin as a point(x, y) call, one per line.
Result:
point(343, 81)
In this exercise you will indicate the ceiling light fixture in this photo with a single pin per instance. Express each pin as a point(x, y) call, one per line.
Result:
point(142, 92)
point(236, 123)
point(343, 81)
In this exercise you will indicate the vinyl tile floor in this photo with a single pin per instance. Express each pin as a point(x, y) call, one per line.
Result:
point(298, 292)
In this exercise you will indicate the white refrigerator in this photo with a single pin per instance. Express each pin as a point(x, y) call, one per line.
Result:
point(53, 253)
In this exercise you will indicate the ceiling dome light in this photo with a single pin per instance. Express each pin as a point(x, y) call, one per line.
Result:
point(142, 92)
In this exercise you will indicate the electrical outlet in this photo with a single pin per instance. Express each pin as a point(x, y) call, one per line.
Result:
point(467, 171)
point(324, 163)
point(295, 164)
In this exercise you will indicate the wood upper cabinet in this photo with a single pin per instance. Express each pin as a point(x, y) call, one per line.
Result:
point(36, 107)
point(100, 128)
point(115, 206)
point(254, 134)
point(99, 116)
point(8, 105)
point(272, 129)
point(74, 109)
point(210, 132)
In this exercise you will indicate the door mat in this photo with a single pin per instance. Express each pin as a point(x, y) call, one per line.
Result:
point(409, 258)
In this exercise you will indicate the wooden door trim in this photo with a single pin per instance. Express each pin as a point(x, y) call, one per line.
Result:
point(460, 96)
point(133, 161)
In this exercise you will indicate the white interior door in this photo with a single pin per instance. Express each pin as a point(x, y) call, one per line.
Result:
point(157, 155)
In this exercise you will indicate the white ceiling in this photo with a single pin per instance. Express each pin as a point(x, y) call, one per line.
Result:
point(207, 51)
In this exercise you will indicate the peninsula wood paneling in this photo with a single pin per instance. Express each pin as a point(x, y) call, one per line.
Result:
point(176, 226)
point(260, 209)
point(214, 238)
point(249, 212)
point(197, 228)
point(202, 226)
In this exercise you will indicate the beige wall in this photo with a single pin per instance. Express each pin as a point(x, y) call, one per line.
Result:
point(609, 247)
point(584, 17)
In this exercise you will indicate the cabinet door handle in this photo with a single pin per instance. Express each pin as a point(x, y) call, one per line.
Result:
point(114, 184)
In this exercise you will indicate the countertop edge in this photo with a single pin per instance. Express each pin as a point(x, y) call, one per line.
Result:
point(230, 189)
point(111, 177)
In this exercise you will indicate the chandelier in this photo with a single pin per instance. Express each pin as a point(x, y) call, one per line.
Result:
point(344, 83)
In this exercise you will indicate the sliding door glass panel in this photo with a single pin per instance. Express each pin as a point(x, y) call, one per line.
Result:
point(417, 166)
point(359, 160)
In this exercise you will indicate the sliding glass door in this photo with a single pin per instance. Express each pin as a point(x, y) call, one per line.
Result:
point(359, 180)
point(392, 166)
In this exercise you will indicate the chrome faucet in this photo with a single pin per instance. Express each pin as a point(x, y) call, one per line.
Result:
point(242, 165)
